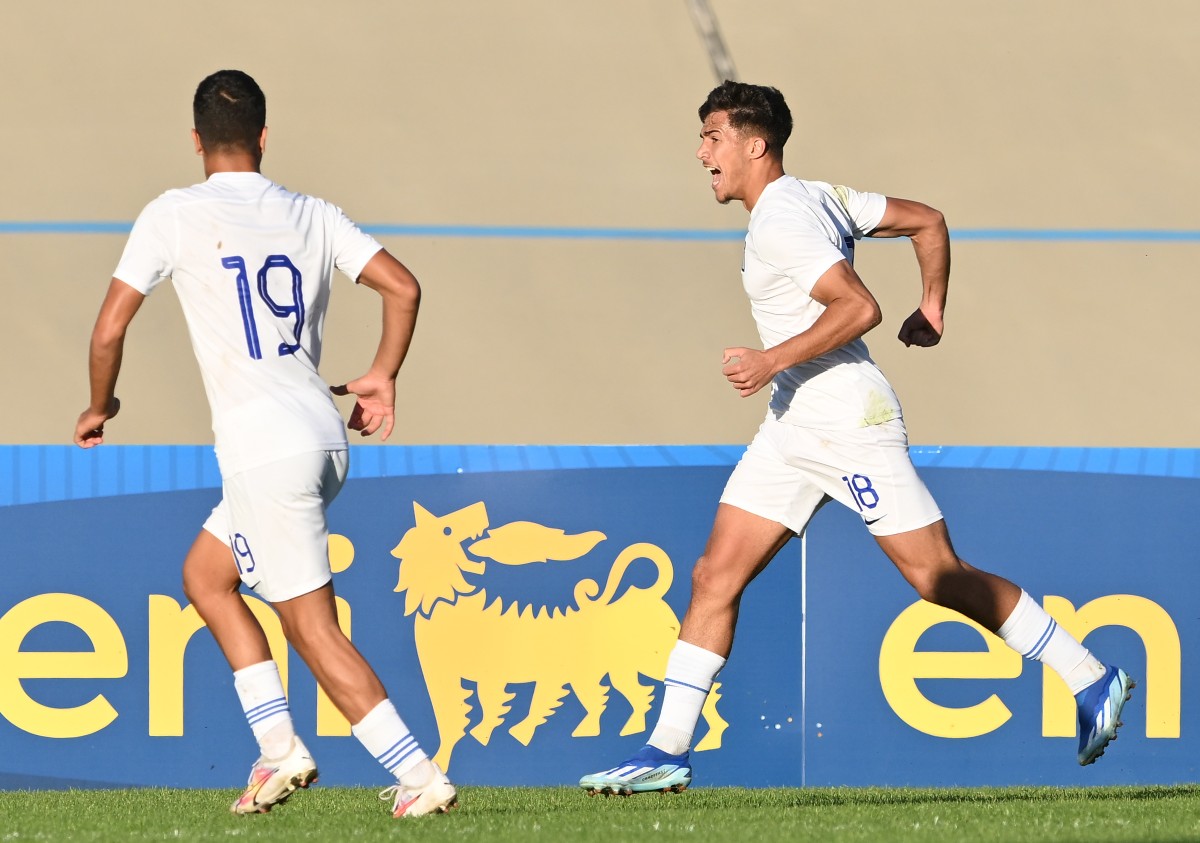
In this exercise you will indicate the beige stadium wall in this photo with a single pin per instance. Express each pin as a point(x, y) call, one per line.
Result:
point(544, 113)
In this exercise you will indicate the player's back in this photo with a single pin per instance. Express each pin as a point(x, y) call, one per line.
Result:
point(253, 264)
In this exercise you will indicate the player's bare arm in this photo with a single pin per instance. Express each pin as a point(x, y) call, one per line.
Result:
point(926, 227)
point(375, 408)
point(850, 311)
point(120, 305)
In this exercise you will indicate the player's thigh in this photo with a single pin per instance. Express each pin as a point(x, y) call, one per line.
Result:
point(278, 532)
point(739, 547)
point(767, 484)
point(209, 565)
point(869, 471)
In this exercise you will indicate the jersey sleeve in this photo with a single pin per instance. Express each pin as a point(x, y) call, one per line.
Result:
point(352, 247)
point(148, 257)
point(796, 246)
point(865, 209)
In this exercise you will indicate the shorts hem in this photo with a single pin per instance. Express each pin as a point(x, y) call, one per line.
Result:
point(891, 532)
point(294, 591)
point(761, 512)
point(208, 529)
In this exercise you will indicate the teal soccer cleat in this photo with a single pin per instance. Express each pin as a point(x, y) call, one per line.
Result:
point(650, 769)
point(1100, 706)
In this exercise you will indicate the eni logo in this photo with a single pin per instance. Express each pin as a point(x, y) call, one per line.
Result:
point(464, 634)
point(902, 662)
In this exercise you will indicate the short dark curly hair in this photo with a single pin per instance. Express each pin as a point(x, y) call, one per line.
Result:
point(229, 111)
point(756, 108)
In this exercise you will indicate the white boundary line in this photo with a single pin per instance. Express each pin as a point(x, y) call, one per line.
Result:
point(804, 659)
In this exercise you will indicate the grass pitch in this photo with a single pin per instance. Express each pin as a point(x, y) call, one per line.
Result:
point(499, 815)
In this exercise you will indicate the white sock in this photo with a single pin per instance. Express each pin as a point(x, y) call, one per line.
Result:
point(261, 693)
point(690, 674)
point(386, 737)
point(1035, 635)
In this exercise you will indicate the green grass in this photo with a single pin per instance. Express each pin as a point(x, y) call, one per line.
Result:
point(498, 815)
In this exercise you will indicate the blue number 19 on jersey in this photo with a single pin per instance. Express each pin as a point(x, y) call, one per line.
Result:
point(295, 309)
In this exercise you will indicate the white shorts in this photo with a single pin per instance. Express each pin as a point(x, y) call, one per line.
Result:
point(273, 519)
point(788, 472)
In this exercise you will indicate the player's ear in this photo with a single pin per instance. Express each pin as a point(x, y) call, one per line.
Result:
point(758, 148)
point(262, 142)
point(196, 141)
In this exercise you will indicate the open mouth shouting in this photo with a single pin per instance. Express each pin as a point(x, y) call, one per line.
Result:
point(716, 176)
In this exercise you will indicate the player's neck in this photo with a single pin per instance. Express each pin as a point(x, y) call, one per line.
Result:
point(771, 171)
point(231, 162)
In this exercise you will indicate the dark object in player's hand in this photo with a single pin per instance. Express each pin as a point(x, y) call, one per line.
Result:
point(917, 330)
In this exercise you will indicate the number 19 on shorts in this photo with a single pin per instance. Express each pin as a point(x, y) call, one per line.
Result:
point(241, 553)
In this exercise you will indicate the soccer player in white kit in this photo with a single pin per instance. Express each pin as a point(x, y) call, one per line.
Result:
point(252, 264)
point(834, 430)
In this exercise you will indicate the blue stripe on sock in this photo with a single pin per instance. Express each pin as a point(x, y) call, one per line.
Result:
point(268, 704)
point(1043, 641)
point(262, 712)
point(399, 762)
point(670, 681)
point(388, 757)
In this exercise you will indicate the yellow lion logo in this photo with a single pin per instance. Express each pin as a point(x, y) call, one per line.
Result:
point(460, 636)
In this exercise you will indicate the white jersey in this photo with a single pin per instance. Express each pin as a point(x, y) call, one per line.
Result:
point(798, 230)
point(252, 264)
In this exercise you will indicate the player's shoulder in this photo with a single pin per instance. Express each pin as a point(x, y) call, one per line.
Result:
point(787, 201)
point(314, 207)
point(173, 196)
point(176, 197)
point(814, 192)
point(819, 199)
point(319, 204)
point(165, 204)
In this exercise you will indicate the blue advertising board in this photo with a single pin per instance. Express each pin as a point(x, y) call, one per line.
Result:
point(519, 604)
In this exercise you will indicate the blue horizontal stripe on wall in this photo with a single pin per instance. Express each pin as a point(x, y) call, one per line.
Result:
point(534, 232)
point(63, 227)
point(44, 473)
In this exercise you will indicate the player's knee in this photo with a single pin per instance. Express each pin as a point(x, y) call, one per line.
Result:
point(926, 584)
point(937, 584)
point(201, 591)
point(712, 581)
point(310, 636)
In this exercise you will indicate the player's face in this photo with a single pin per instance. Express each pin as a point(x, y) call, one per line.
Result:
point(722, 154)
